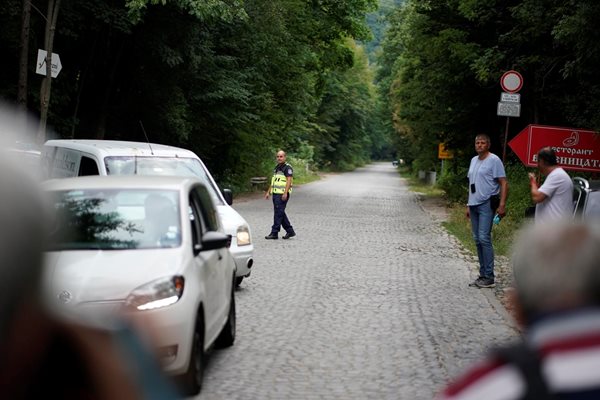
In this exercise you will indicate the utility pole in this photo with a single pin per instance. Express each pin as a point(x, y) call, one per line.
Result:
point(52, 15)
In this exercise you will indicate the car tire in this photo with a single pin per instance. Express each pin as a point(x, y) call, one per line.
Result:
point(227, 335)
point(238, 280)
point(191, 381)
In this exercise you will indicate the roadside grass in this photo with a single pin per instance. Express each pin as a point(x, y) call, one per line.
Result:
point(459, 226)
point(502, 234)
point(418, 186)
point(306, 178)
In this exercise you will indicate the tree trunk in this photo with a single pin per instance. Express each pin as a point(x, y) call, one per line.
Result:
point(22, 89)
point(52, 15)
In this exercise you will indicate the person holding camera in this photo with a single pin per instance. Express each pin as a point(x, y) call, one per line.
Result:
point(554, 199)
point(488, 189)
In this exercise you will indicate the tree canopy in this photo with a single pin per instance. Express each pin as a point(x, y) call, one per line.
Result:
point(337, 83)
point(442, 61)
point(233, 80)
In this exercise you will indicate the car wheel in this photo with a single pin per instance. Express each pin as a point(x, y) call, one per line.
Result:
point(227, 335)
point(238, 280)
point(192, 379)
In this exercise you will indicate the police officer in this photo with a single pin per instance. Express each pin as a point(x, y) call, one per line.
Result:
point(281, 187)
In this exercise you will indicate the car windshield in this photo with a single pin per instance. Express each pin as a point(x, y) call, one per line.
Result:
point(166, 166)
point(592, 207)
point(115, 219)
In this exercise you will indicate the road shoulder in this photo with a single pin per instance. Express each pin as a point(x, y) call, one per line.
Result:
point(499, 298)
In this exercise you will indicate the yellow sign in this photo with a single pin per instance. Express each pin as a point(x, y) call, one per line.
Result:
point(444, 153)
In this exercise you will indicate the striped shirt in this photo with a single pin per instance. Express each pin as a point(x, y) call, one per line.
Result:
point(569, 348)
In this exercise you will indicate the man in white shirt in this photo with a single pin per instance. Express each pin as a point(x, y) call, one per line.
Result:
point(554, 199)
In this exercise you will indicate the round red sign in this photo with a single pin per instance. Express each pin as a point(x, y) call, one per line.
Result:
point(511, 81)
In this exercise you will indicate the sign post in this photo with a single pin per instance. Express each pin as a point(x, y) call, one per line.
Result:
point(576, 149)
point(510, 102)
point(444, 154)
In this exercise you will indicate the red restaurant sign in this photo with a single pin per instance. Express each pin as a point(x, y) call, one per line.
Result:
point(576, 149)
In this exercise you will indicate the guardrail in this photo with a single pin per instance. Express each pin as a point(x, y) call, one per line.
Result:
point(258, 182)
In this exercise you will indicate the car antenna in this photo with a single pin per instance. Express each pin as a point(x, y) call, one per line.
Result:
point(147, 141)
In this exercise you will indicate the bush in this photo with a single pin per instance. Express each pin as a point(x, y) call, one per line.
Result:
point(519, 193)
point(454, 184)
point(303, 170)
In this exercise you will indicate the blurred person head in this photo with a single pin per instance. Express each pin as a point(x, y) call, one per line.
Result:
point(21, 220)
point(41, 354)
point(21, 242)
point(556, 268)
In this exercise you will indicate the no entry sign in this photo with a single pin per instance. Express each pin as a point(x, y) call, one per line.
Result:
point(511, 81)
point(576, 149)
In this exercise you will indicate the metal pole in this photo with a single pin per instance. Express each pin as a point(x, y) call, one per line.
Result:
point(505, 140)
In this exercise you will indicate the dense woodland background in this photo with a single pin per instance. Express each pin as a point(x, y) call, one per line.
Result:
point(335, 83)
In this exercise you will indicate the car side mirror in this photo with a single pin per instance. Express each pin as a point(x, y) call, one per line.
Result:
point(228, 195)
point(214, 240)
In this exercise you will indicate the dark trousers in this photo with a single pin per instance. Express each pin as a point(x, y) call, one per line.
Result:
point(280, 218)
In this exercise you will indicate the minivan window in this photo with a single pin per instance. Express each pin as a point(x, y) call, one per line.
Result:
point(166, 166)
point(88, 166)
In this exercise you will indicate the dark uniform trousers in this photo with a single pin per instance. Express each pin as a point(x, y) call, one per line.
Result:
point(280, 218)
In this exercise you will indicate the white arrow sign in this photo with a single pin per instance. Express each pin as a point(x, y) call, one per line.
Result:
point(41, 63)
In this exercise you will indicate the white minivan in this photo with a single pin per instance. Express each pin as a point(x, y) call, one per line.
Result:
point(69, 158)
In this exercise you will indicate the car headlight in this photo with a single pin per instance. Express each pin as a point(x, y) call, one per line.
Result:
point(243, 236)
point(157, 294)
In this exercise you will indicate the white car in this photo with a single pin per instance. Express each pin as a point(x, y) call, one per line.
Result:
point(148, 247)
point(69, 158)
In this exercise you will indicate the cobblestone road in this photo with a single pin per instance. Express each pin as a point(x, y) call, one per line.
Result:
point(368, 301)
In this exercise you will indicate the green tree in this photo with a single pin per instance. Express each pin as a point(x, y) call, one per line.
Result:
point(230, 80)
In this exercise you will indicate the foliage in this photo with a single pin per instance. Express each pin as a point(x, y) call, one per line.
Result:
point(231, 80)
point(453, 181)
point(441, 63)
point(376, 20)
point(202, 9)
point(303, 170)
point(342, 137)
point(519, 193)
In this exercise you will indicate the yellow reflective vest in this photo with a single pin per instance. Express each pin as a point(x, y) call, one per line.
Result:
point(278, 182)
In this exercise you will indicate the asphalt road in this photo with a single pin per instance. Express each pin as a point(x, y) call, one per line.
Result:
point(368, 301)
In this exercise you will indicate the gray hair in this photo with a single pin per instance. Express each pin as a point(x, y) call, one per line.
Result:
point(556, 266)
point(484, 136)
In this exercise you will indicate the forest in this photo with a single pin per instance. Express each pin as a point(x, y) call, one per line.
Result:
point(441, 62)
point(336, 84)
point(231, 80)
